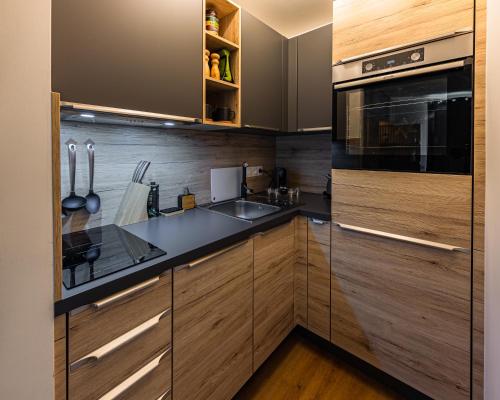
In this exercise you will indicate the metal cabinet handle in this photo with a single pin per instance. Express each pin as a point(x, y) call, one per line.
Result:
point(164, 395)
point(119, 342)
point(267, 128)
point(133, 379)
point(320, 128)
point(317, 221)
point(264, 233)
point(401, 238)
point(205, 259)
point(126, 293)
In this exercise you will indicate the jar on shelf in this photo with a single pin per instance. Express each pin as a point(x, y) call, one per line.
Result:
point(211, 21)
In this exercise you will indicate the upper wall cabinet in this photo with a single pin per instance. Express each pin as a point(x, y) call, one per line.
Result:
point(314, 80)
point(263, 79)
point(136, 55)
point(363, 26)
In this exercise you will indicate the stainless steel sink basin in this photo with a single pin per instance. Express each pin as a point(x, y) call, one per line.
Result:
point(248, 210)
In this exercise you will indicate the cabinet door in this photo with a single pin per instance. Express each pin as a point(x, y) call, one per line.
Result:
point(273, 290)
point(318, 278)
point(363, 26)
point(137, 55)
point(405, 309)
point(314, 80)
point(300, 272)
point(262, 74)
point(213, 325)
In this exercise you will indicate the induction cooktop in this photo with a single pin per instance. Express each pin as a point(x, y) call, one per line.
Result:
point(98, 252)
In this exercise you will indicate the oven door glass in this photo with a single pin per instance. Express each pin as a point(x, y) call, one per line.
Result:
point(418, 124)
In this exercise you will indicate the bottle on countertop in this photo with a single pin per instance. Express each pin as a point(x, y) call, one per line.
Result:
point(154, 200)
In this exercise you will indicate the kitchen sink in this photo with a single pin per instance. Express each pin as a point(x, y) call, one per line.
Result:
point(244, 209)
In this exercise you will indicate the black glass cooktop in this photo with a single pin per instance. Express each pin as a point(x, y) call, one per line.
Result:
point(98, 252)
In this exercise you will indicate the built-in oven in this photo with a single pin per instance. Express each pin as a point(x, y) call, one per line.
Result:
point(406, 109)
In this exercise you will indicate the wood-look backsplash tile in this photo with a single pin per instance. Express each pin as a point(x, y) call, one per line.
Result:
point(307, 159)
point(179, 158)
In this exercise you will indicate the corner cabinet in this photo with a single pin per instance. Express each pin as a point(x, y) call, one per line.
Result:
point(126, 54)
point(263, 80)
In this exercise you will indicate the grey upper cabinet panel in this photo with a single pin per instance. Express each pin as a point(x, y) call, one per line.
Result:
point(314, 83)
point(291, 97)
point(140, 55)
point(262, 74)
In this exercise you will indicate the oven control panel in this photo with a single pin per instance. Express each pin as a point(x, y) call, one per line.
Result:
point(394, 60)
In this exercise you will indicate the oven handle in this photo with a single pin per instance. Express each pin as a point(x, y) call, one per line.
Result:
point(402, 74)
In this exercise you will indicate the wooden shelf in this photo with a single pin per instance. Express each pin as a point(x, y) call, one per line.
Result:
point(215, 42)
point(221, 123)
point(219, 85)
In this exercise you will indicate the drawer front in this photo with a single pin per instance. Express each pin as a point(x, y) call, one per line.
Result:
point(273, 290)
point(300, 272)
point(206, 274)
point(319, 231)
point(213, 326)
point(405, 309)
point(433, 207)
point(104, 369)
point(96, 325)
point(153, 381)
point(318, 289)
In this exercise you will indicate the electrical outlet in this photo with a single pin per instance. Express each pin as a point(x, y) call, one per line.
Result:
point(255, 171)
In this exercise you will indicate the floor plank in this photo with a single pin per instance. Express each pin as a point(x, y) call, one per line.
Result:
point(302, 369)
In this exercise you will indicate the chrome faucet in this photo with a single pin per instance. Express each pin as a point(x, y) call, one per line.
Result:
point(244, 189)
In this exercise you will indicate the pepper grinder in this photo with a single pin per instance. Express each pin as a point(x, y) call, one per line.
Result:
point(215, 73)
point(206, 66)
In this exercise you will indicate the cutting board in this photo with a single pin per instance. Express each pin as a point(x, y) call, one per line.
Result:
point(225, 183)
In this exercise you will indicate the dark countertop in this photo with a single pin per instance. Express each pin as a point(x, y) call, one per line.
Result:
point(185, 237)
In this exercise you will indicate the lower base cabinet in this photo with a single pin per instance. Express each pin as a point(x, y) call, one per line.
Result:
point(405, 309)
point(212, 326)
point(273, 289)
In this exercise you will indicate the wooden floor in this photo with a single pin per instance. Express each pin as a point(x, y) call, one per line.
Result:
point(302, 369)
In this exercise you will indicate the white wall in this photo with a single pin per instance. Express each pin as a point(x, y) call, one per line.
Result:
point(492, 277)
point(26, 301)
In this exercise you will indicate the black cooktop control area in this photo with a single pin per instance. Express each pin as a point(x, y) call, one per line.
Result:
point(98, 252)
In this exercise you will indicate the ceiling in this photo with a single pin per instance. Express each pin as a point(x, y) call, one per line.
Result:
point(290, 17)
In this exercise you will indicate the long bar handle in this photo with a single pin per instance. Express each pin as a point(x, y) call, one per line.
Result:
point(119, 342)
point(267, 128)
point(403, 74)
point(317, 129)
point(133, 379)
point(317, 221)
point(125, 293)
point(165, 395)
point(205, 259)
point(401, 238)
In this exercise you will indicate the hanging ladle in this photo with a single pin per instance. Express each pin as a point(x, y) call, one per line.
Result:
point(93, 200)
point(73, 202)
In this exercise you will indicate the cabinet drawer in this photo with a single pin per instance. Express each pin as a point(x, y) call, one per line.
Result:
point(100, 371)
point(318, 231)
point(152, 381)
point(99, 323)
point(405, 309)
point(205, 274)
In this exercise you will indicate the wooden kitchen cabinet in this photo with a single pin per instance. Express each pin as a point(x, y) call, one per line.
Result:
point(120, 346)
point(143, 56)
point(401, 276)
point(60, 357)
point(361, 26)
point(314, 80)
point(300, 272)
point(273, 290)
point(318, 277)
point(262, 80)
point(212, 325)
